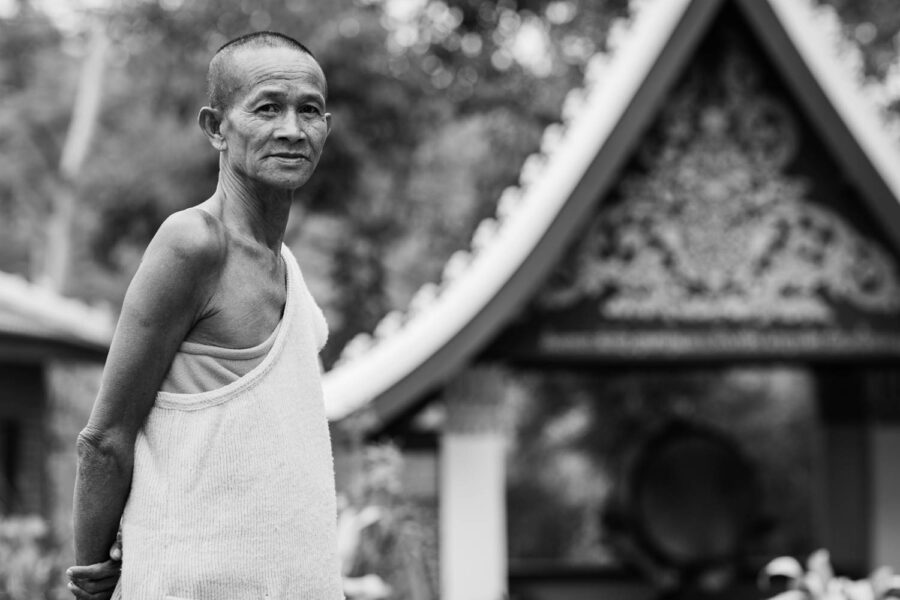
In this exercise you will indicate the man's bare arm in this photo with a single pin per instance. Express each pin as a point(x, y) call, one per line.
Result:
point(169, 293)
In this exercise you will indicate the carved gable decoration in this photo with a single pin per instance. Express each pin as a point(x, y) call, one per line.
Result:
point(732, 233)
point(714, 228)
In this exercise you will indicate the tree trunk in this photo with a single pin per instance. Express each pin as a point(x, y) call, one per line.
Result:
point(58, 241)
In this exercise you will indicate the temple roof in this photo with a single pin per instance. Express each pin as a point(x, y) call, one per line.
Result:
point(412, 353)
point(36, 323)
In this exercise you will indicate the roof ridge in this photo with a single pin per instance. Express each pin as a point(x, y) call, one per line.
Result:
point(824, 23)
point(510, 199)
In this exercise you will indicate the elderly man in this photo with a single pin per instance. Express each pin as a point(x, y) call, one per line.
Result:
point(208, 443)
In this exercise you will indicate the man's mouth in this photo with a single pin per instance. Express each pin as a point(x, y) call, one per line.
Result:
point(289, 155)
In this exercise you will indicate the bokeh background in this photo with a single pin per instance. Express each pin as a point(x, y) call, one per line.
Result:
point(436, 105)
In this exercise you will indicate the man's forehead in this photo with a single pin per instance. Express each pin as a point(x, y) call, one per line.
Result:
point(252, 68)
point(252, 65)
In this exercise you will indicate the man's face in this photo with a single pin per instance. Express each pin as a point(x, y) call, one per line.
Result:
point(275, 124)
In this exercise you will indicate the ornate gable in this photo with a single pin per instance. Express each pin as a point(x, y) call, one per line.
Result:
point(761, 223)
point(730, 219)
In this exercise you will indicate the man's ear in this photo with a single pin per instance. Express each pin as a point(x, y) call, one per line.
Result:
point(327, 123)
point(210, 121)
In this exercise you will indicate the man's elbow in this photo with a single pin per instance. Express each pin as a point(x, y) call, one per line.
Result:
point(104, 450)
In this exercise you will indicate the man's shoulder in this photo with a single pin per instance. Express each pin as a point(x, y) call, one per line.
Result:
point(192, 235)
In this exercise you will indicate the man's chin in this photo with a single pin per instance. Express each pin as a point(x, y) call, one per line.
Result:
point(285, 181)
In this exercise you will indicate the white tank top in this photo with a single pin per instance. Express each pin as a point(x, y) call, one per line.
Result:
point(233, 489)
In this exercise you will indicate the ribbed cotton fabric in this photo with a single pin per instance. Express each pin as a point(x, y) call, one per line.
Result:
point(233, 492)
point(198, 368)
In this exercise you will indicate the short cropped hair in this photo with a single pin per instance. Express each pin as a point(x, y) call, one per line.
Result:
point(220, 86)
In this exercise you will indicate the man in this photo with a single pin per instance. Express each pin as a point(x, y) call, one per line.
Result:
point(207, 442)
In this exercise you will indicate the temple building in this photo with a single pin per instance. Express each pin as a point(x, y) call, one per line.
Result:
point(673, 354)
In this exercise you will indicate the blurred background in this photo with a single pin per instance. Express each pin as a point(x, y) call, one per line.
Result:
point(437, 104)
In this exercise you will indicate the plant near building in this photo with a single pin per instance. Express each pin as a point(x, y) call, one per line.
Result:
point(29, 564)
point(819, 582)
point(386, 544)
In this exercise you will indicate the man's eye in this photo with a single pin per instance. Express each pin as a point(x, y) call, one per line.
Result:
point(310, 109)
point(267, 108)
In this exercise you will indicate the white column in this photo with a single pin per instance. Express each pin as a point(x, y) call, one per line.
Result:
point(473, 490)
point(885, 500)
point(883, 395)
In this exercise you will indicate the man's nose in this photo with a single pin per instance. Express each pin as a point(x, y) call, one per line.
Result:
point(291, 127)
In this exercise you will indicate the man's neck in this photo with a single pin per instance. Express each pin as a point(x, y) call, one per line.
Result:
point(254, 211)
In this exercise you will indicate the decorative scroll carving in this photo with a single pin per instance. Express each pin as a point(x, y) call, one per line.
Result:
point(715, 230)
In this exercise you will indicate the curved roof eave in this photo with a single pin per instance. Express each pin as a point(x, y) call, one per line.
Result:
point(812, 32)
point(30, 314)
point(392, 361)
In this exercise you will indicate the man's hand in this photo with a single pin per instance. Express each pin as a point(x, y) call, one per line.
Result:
point(97, 581)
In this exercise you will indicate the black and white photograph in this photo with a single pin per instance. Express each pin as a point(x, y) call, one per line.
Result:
point(449, 299)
